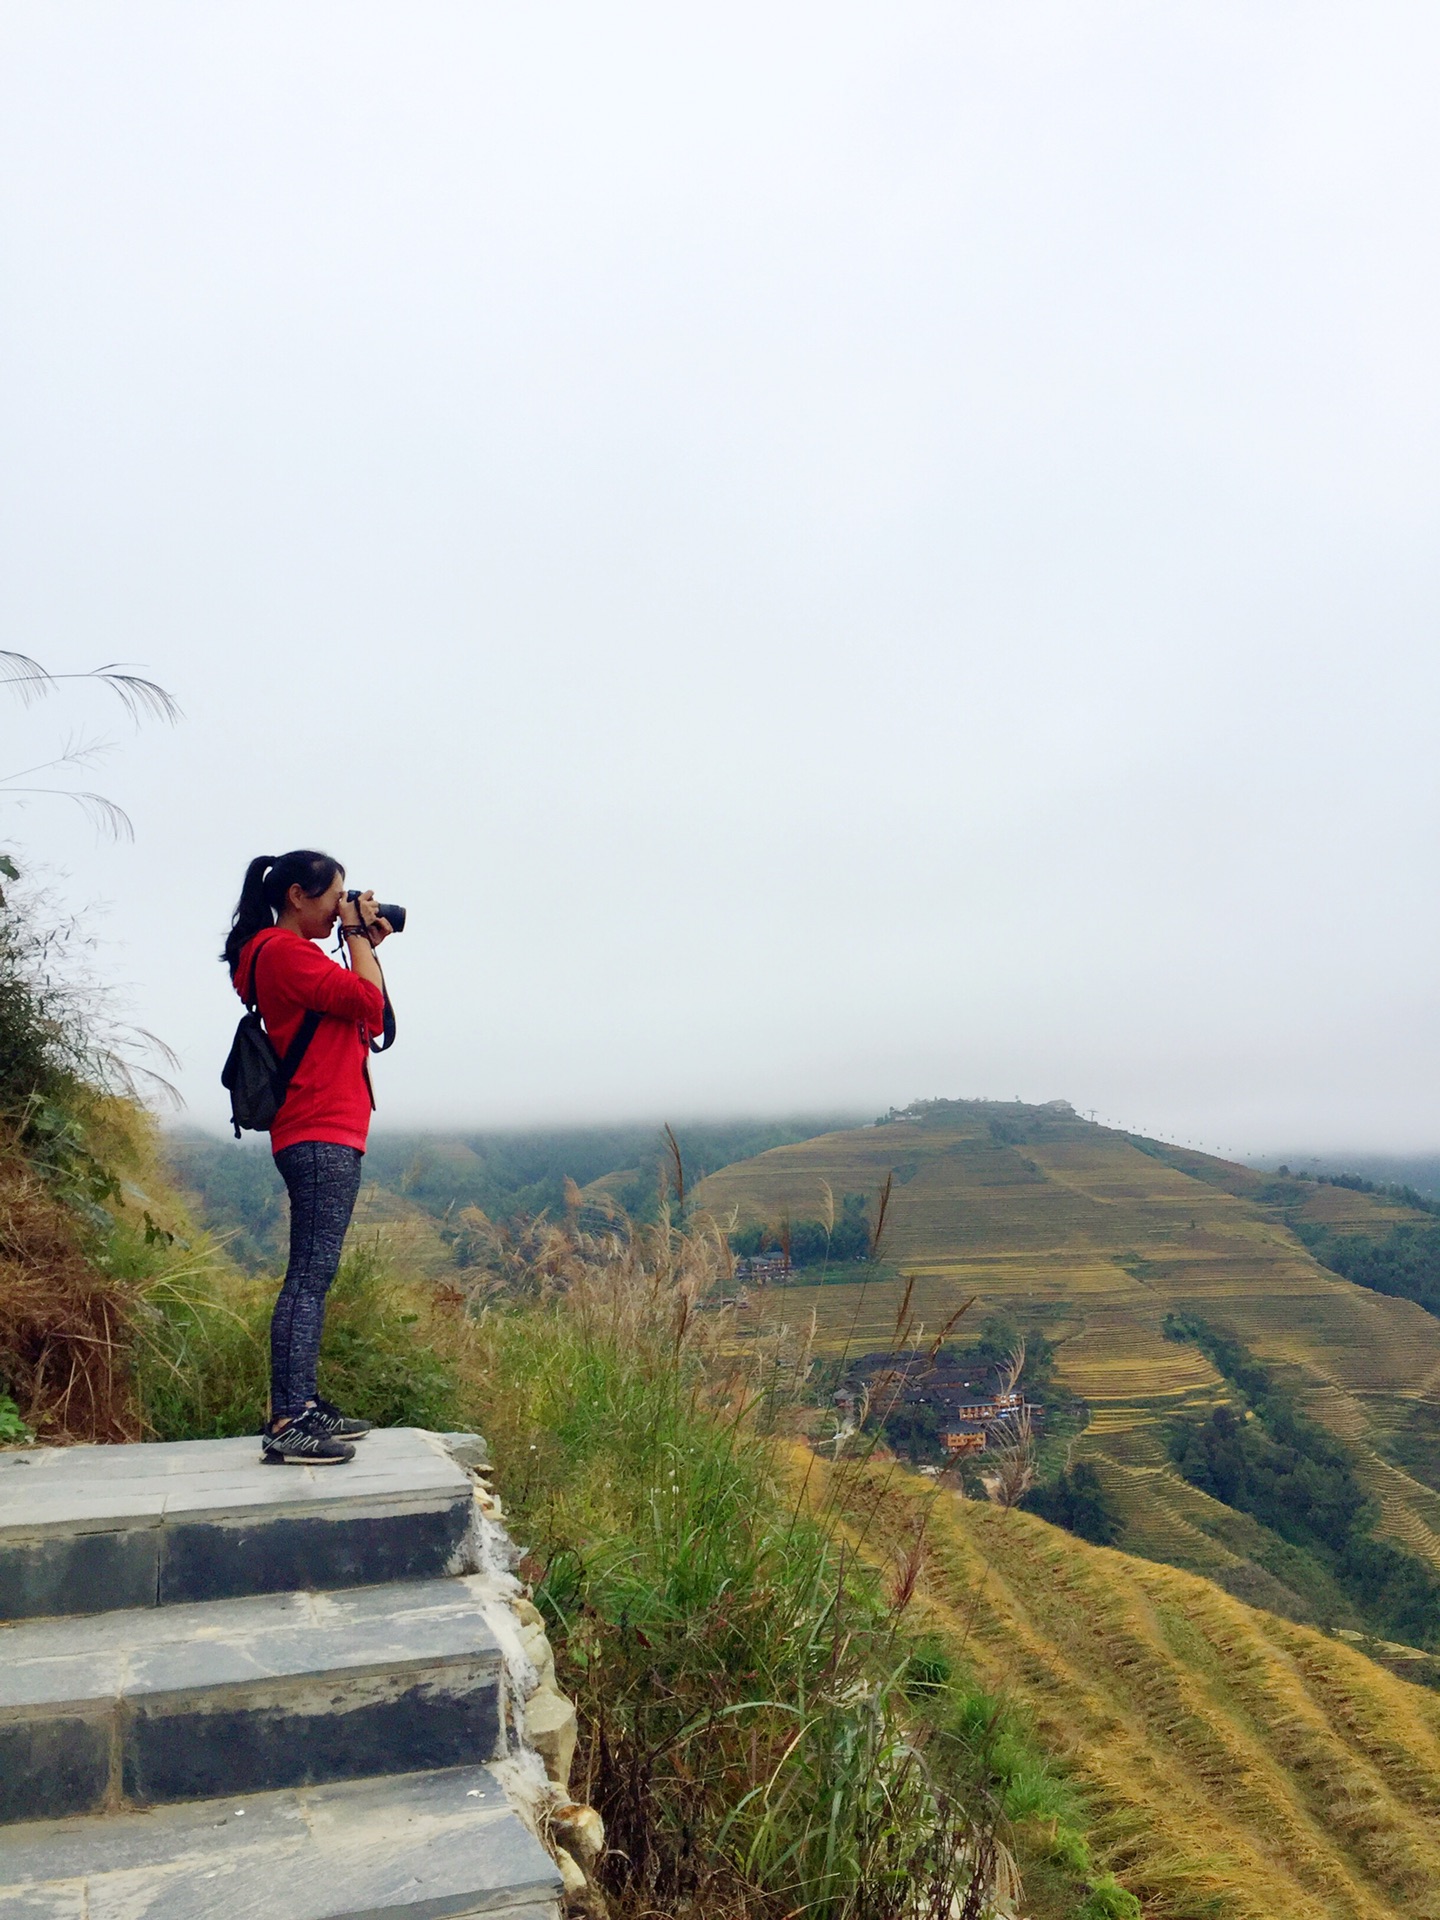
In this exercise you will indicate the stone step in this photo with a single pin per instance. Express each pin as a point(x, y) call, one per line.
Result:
point(87, 1529)
point(244, 1696)
point(437, 1846)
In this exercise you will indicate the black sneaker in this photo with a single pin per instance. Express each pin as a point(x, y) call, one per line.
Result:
point(326, 1417)
point(301, 1443)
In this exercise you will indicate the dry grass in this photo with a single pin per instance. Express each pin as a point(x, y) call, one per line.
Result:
point(75, 1277)
point(65, 1326)
point(1239, 1765)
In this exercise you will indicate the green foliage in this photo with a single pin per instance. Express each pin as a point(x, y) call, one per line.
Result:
point(1307, 1493)
point(1002, 1336)
point(13, 1430)
point(812, 1243)
point(756, 1712)
point(1405, 1263)
point(1400, 1190)
point(203, 1363)
point(376, 1357)
point(1299, 1481)
point(1078, 1501)
point(42, 1047)
point(1108, 1900)
point(240, 1195)
point(912, 1431)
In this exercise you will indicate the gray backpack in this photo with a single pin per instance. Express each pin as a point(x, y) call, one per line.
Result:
point(254, 1075)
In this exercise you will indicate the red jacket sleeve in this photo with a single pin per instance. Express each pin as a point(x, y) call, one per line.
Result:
point(320, 985)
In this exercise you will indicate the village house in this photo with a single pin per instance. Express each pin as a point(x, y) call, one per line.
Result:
point(759, 1269)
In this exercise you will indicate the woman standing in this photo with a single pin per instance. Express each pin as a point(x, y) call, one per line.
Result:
point(318, 1136)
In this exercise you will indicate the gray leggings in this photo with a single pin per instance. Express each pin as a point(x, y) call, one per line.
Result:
point(323, 1181)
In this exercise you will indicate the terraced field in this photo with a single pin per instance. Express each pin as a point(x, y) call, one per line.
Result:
point(1076, 1229)
point(1240, 1766)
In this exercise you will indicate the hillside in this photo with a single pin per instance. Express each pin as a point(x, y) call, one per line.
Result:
point(1094, 1238)
point(418, 1185)
point(1238, 1765)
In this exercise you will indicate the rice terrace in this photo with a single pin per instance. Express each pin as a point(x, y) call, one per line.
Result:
point(1095, 1237)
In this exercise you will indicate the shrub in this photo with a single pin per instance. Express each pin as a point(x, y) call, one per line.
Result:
point(1078, 1501)
point(12, 1428)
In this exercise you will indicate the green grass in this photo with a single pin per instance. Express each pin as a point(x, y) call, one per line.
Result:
point(203, 1362)
point(764, 1728)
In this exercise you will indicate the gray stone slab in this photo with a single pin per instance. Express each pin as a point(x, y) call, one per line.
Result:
point(39, 1486)
point(437, 1846)
point(470, 1449)
point(86, 1529)
point(178, 1703)
point(79, 1572)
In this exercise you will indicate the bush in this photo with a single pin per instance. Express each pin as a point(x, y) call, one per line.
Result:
point(13, 1429)
point(1078, 1501)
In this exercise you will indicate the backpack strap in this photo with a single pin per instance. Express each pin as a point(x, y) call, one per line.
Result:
point(296, 1051)
point(306, 1032)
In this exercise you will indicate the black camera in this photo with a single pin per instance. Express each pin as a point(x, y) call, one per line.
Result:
point(386, 909)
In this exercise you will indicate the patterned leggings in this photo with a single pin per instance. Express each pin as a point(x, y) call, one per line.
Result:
point(323, 1181)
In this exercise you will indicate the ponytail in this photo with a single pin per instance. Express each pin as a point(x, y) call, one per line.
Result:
point(268, 881)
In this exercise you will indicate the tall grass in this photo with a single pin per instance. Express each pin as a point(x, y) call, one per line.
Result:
point(70, 1144)
point(392, 1349)
point(767, 1725)
point(764, 1726)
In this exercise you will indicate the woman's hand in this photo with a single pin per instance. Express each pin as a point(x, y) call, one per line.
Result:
point(373, 922)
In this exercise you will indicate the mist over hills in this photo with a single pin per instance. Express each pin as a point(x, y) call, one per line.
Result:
point(1420, 1171)
point(429, 1176)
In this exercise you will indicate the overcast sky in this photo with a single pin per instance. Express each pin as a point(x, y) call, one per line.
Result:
point(828, 553)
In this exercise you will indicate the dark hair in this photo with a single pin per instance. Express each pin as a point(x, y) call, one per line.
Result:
point(268, 881)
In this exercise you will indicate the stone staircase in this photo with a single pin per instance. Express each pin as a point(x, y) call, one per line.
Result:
point(228, 1690)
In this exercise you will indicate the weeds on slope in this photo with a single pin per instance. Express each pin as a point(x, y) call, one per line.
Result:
point(764, 1727)
point(73, 1144)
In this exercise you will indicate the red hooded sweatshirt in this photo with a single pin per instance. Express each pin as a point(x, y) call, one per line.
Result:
point(329, 1098)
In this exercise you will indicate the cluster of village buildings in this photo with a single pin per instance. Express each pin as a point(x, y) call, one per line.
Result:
point(761, 1269)
point(972, 1412)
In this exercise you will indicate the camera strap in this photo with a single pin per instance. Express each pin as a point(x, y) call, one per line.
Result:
point(387, 1025)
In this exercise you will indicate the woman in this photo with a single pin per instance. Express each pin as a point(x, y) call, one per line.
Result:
point(318, 1137)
